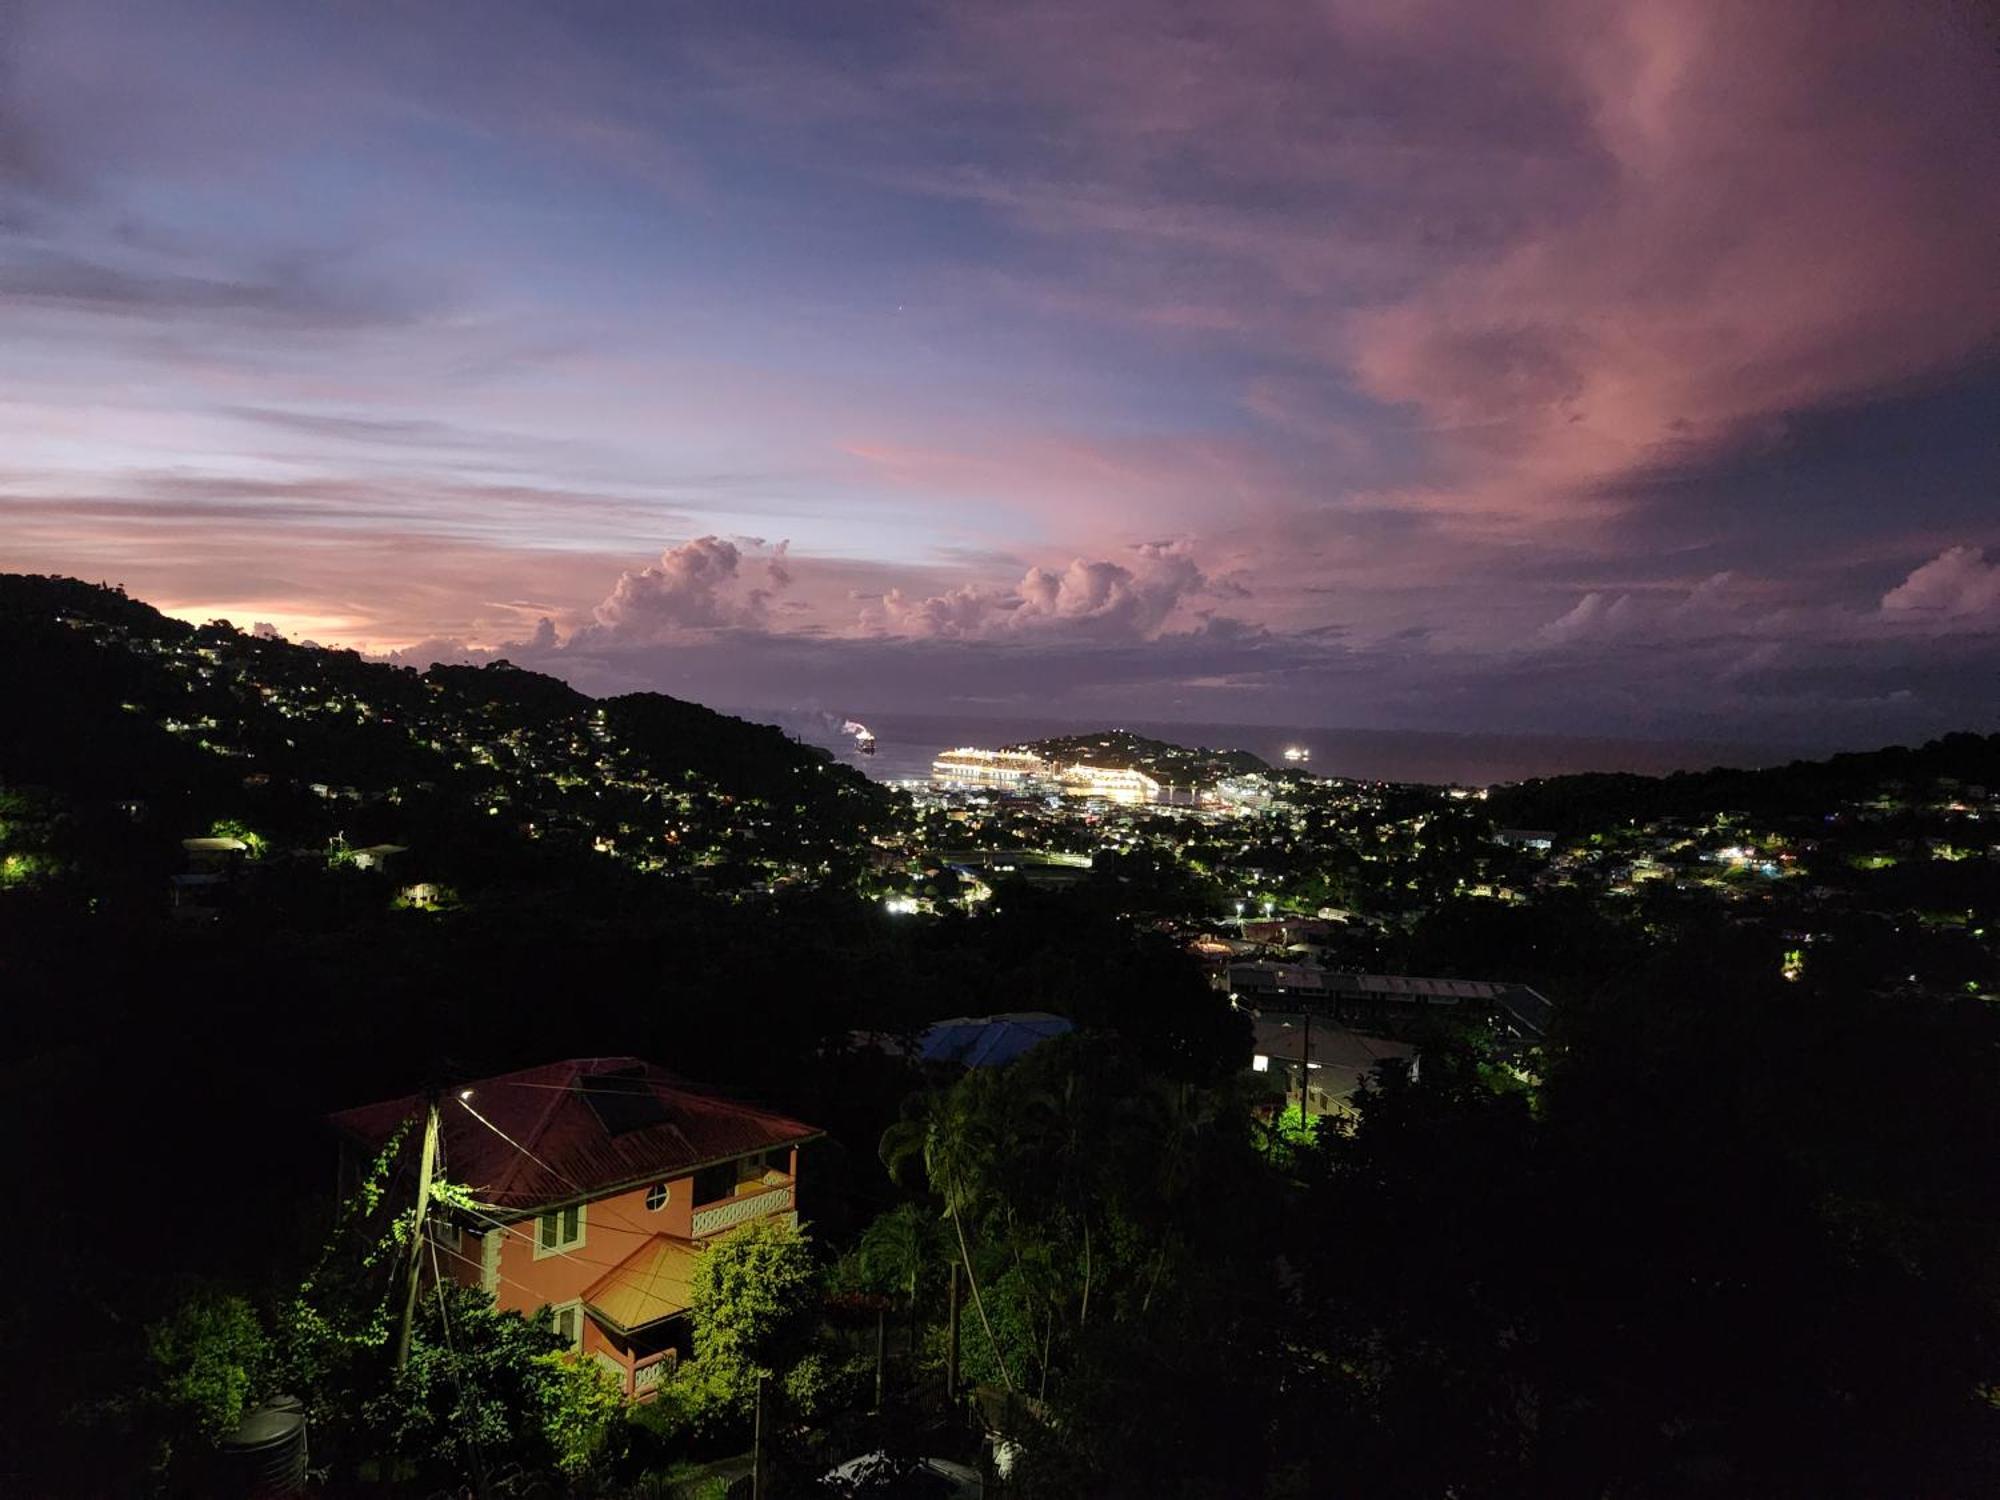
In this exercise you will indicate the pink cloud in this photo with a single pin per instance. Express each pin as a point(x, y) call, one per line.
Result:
point(697, 586)
point(1088, 599)
point(1574, 239)
point(1958, 587)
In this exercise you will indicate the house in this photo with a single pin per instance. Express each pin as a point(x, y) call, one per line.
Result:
point(1336, 1061)
point(597, 1181)
point(377, 856)
point(1382, 1001)
point(989, 1041)
point(208, 855)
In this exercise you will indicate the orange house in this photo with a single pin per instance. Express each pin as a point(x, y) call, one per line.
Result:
point(598, 1181)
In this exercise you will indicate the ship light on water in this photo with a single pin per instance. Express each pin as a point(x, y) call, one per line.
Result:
point(1297, 754)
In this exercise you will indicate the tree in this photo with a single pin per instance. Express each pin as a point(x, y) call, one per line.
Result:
point(950, 1134)
point(895, 1249)
point(483, 1386)
point(208, 1357)
point(754, 1292)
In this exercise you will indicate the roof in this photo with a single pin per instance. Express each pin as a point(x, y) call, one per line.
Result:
point(651, 1283)
point(1529, 1008)
point(989, 1041)
point(1284, 1037)
point(575, 1130)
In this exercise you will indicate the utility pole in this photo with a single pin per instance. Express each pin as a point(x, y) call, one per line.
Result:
point(757, 1446)
point(881, 1349)
point(426, 1163)
point(1305, 1064)
point(951, 1348)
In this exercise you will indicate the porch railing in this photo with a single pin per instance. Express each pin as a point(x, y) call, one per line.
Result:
point(733, 1211)
point(648, 1373)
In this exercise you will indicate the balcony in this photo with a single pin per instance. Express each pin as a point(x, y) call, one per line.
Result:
point(650, 1373)
point(752, 1200)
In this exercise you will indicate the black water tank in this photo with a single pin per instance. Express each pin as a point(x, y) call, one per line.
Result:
point(265, 1456)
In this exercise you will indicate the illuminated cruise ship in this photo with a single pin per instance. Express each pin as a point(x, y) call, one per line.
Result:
point(989, 768)
point(1113, 784)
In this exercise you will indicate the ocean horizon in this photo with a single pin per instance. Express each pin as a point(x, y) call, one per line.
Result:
point(905, 745)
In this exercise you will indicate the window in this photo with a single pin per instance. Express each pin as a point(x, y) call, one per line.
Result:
point(568, 1321)
point(446, 1234)
point(559, 1230)
point(657, 1196)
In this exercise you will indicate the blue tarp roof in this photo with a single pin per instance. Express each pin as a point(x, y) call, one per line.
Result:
point(990, 1041)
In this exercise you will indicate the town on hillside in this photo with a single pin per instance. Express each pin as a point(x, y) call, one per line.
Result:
point(514, 1088)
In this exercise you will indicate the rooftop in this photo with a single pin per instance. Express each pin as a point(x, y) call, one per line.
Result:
point(653, 1282)
point(573, 1130)
point(990, 1041)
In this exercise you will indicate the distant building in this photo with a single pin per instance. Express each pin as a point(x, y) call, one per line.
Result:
point(1526, 838)
point(1384, 999)
point(214, 854)
point(377, 856)
point(989, 1041)
point(1286, 932)
point(1336, 1061)
point(599, 1179)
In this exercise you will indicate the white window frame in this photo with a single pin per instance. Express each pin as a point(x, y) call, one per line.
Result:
point(561, 1246)
point(574, 1306)
point(666, 1192)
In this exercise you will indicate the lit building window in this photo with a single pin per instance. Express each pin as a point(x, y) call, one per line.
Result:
point(1260, 1064)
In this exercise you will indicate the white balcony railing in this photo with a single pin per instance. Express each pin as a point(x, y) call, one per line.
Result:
point(647, 1378)
point(733, 1211)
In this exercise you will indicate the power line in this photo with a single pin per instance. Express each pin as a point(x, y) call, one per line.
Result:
point(504, 1228)
point(461, 1256)
point(560, 1176)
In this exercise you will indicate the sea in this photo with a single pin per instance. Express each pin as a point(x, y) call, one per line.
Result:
point(906, 743)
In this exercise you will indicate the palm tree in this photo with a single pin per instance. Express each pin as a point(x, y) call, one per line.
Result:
point(1180, 1120)
point(893, 1251)
point(949, 1132)
point(1066, 1119)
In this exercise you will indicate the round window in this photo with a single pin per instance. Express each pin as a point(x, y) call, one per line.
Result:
point(656, 1196)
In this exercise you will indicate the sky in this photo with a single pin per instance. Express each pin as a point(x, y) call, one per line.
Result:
point(1423, 364)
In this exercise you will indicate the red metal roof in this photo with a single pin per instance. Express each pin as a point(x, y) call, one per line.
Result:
point(562, 1148)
